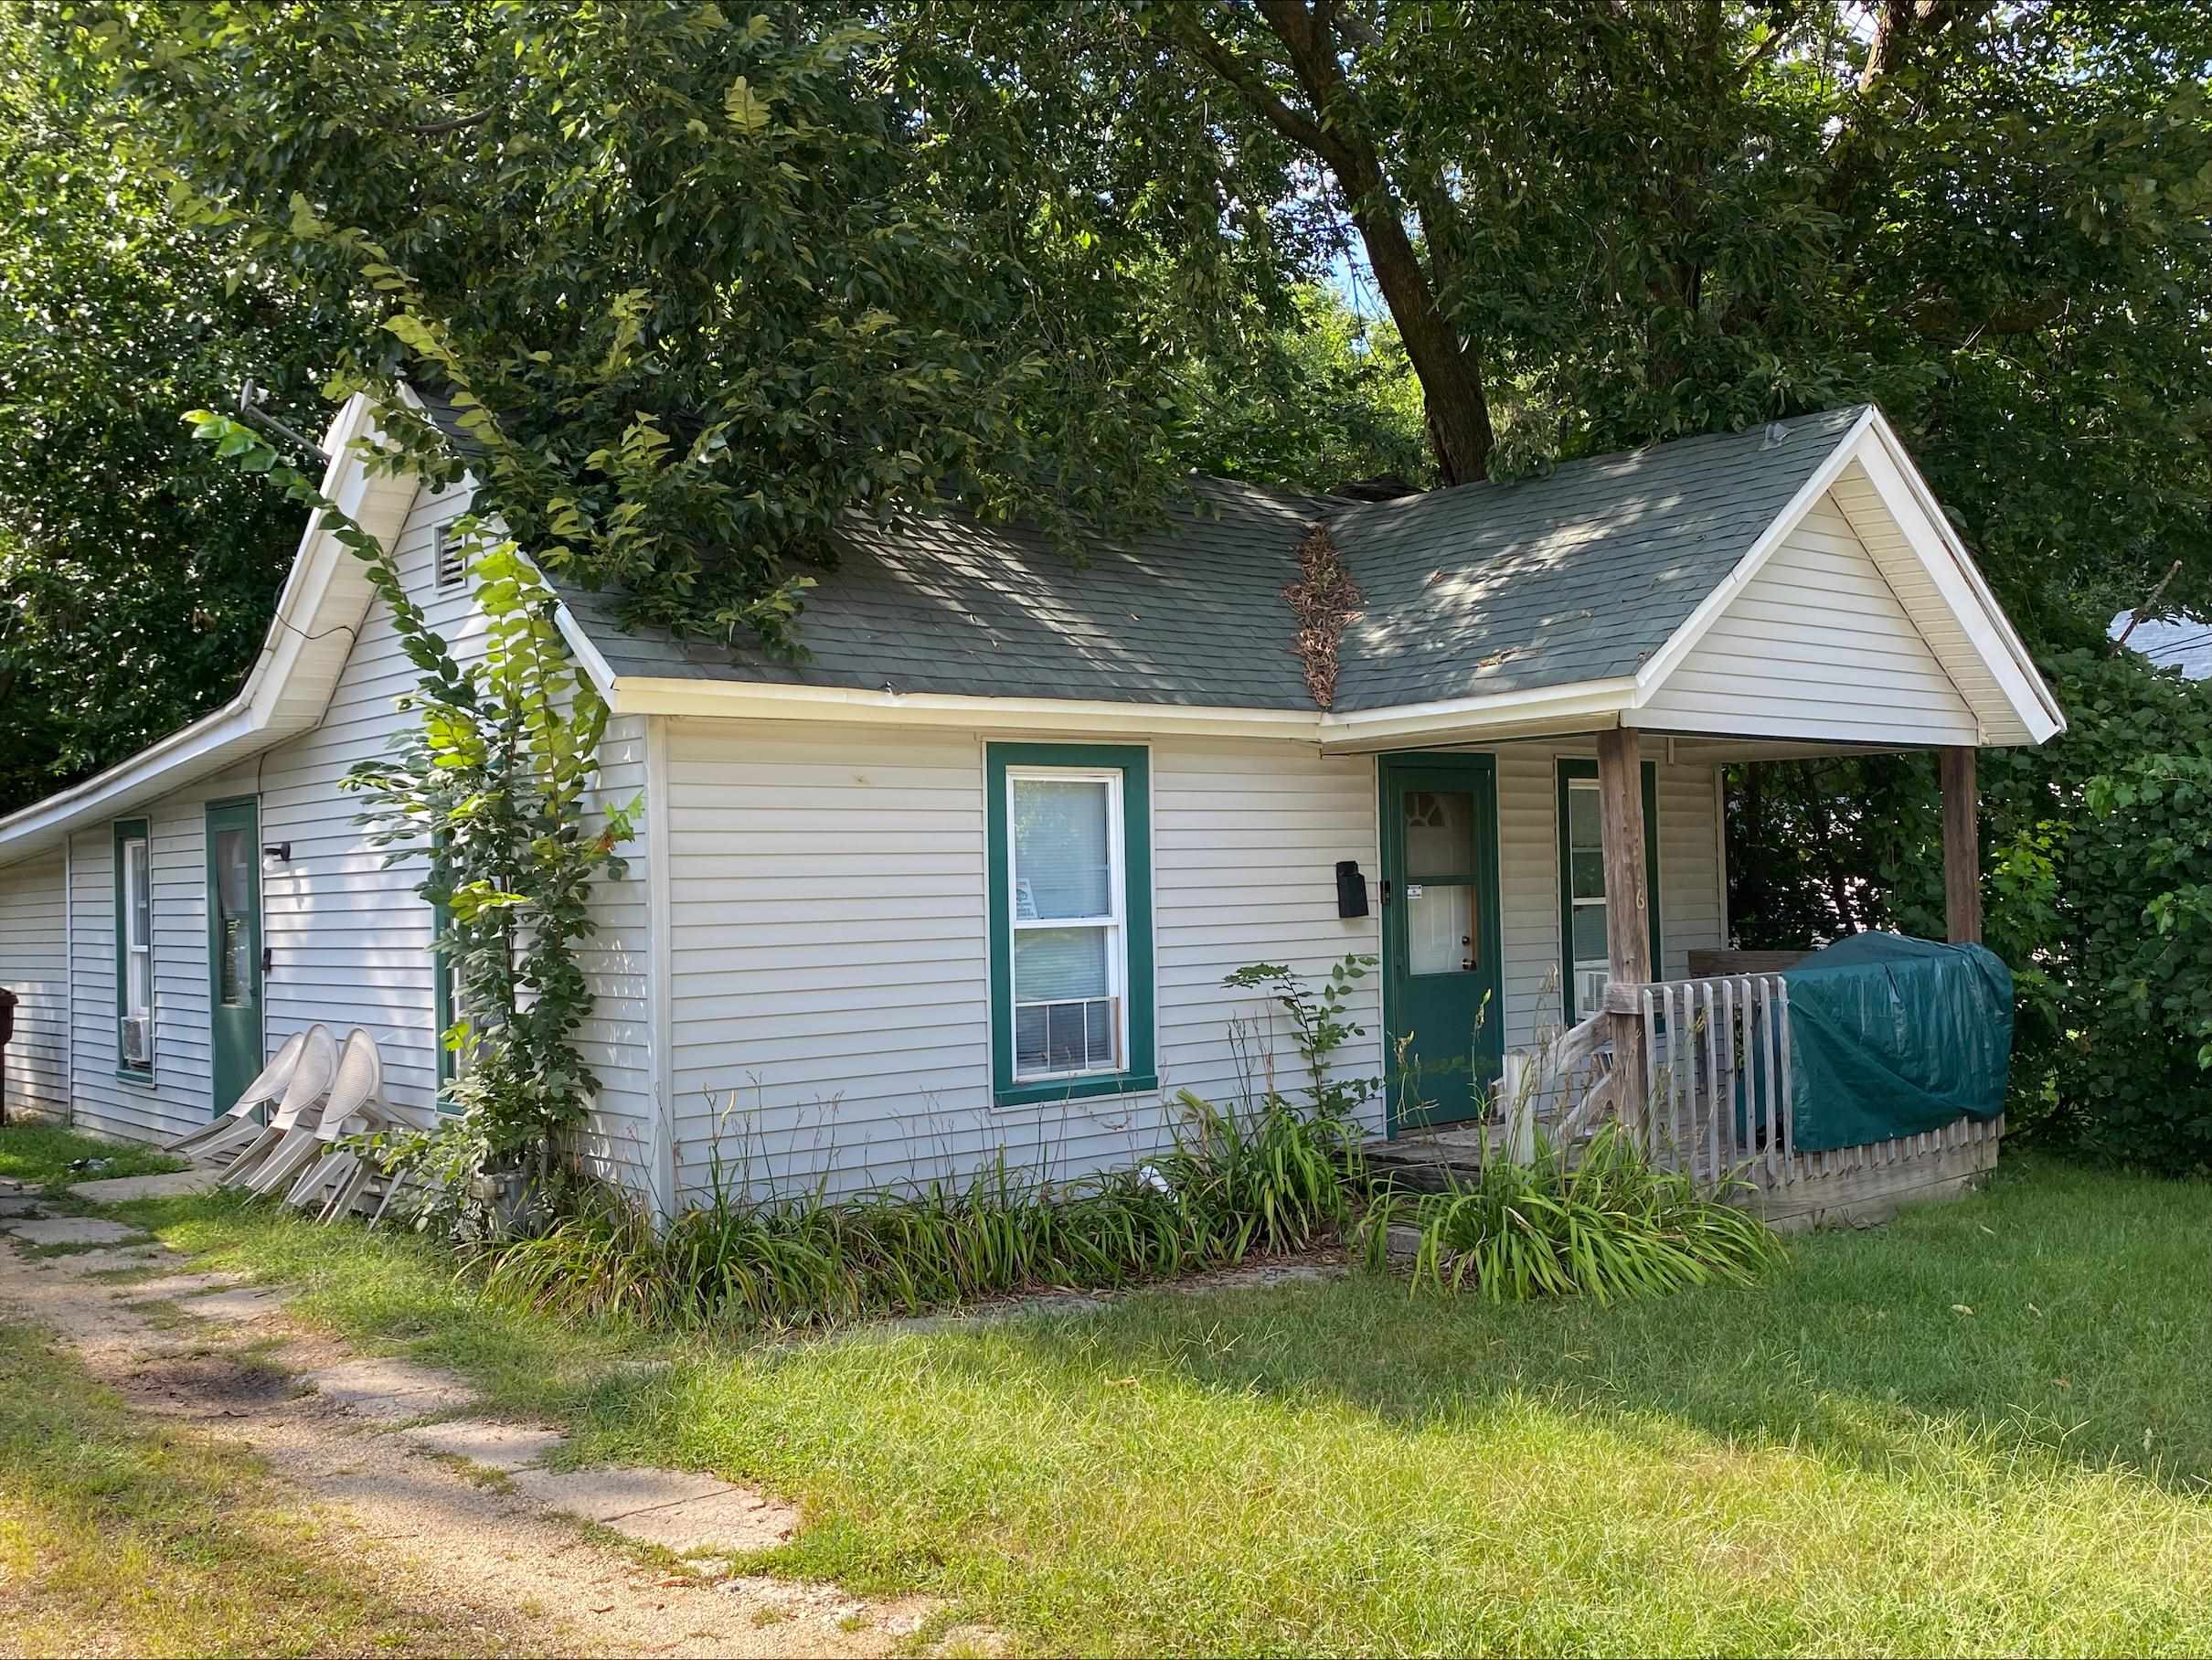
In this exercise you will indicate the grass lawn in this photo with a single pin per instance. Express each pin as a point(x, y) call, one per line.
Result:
point(1985, 1428)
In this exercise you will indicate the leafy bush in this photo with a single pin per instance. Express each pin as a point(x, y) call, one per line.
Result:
point(1607, 1225)
point(1232, 1186)
point(2096, 880)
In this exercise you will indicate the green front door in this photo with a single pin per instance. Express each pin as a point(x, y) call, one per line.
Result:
point(1441, 986)
point(234, 947)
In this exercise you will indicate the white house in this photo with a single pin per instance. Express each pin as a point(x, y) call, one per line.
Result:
point(971, 875)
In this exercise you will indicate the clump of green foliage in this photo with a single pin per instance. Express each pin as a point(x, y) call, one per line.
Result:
point(1231, 1189)
point(2096, 880)
point(490, 784)
point(1605, 1223)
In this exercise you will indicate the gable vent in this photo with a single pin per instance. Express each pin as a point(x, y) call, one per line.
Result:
point(449, 557)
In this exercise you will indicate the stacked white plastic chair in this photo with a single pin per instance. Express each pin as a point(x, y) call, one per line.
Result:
point(238, 1126)
point(300, 1109)
point(333, 1179)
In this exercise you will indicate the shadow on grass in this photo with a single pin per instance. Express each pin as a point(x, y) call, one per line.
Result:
point(2062, 1310)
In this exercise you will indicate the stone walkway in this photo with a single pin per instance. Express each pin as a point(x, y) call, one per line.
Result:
point(477, 1490)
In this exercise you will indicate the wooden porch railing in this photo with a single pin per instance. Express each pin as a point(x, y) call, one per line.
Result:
point(1719, 1106)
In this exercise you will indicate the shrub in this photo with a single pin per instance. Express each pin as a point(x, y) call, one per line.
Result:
point(1609, 1225)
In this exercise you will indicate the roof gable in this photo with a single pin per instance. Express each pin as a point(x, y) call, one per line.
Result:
point(325, 598)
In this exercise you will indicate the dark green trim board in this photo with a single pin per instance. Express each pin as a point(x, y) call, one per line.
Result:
point(441, 1000)
point(1134, 763)
point(1570, 770)
point(236, 1050)
point(127, 830)
point(1447, 1029)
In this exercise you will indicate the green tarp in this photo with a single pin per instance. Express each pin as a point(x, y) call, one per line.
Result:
point(1891, 1036)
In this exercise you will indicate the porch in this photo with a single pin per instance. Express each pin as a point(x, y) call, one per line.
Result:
point(1699, 1068)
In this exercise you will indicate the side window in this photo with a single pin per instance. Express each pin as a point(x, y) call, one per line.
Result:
point(133, 949)
point(1071, 921)
point(1585, 964)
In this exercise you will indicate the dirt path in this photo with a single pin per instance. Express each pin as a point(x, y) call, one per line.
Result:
point(477, 1550)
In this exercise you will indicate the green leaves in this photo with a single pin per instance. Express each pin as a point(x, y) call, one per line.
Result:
point(747, 109)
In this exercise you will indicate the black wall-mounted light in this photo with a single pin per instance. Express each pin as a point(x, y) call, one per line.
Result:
point(276, 850)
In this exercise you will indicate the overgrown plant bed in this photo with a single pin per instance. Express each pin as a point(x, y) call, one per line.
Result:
point(1233, 1188)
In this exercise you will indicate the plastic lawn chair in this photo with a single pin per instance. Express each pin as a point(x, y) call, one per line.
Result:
point(238, 1126)
point(301, 1104)
point(357, 1082)
point(336, 1179)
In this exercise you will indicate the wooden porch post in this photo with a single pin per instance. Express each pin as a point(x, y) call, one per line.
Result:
point(1628, 903)
point(1961, 848)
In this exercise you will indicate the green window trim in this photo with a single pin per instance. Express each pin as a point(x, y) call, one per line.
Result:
point(1569, 771)
point(127, 830)
point(441, 999)
point(1133, 762)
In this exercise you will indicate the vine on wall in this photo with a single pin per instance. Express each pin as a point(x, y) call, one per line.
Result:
point(487, 783)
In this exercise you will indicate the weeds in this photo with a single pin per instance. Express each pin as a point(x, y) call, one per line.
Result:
point(1607, 1225)
point(1229, 1188)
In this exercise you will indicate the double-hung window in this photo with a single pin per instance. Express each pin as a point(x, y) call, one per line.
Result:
point(1070, 920)
point(1582, 909)
point(133, 949)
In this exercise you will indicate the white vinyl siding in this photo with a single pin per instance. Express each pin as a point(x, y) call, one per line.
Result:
point(1818, 645)
point(831, 997)
point(349, 941)
point(33, 966)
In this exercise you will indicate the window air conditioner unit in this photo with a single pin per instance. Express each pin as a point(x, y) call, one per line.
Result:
point(137, 1041)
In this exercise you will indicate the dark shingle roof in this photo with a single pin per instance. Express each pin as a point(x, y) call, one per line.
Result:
point(1577, 575)
point(1487, 588)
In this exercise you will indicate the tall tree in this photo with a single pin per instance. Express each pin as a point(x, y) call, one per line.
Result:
point(136, 573)
point(1600, 225)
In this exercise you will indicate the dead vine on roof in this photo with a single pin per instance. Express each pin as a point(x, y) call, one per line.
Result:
point(1325, 600)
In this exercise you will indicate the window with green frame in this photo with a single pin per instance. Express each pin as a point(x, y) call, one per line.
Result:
point(1584, 959)
point(1068, 830)
point(133, 950)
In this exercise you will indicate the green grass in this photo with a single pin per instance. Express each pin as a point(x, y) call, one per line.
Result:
point(1838, 1459)
point(116, 1536)
point(36, 1153)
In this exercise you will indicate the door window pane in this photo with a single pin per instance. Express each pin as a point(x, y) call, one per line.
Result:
point(233, 918)
point(1440, 929)
point(1440, 833)
point(1063, 854)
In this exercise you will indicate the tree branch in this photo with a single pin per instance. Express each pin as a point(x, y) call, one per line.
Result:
point(1294, 125)
point(439, 129)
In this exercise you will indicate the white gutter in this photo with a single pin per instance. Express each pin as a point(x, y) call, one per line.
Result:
point(258, 714)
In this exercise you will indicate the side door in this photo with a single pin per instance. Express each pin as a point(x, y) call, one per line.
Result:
point(234, 947)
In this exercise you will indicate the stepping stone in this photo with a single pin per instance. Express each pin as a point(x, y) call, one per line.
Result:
point(496, 1446)
point(390, 1389)
point(734, 1520)
point(24, 1205)
point(115, 1190)
point(73, 1230)
point(85, 1264)
point(620, 1490)
point(242, 1306)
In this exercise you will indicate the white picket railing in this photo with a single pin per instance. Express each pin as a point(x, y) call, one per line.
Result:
point(1718, 1102)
